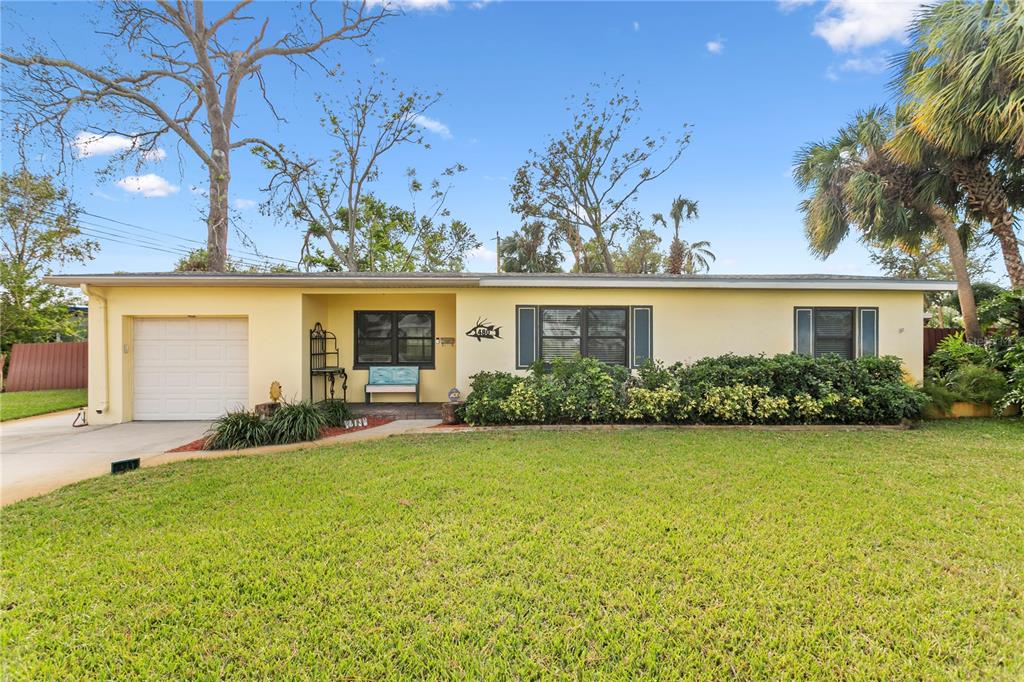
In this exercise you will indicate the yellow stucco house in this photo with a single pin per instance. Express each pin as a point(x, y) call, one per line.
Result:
point(193, 345)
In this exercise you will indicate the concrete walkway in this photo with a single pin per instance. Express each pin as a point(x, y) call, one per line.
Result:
point(40, 454)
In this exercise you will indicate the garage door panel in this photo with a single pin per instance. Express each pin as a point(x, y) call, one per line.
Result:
point(190, 368)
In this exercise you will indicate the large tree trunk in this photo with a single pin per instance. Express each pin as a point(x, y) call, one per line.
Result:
point(958, 259)
point(217, 219)
point(985, 196)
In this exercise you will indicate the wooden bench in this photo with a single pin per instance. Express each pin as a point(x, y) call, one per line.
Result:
point(393, 380)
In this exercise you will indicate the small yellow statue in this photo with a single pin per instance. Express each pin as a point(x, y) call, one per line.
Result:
point(275, 391)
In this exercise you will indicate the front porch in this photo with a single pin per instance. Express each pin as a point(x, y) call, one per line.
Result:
point(396, 410)
point(411, 331)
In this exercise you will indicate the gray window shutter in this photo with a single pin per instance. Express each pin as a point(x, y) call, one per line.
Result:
point(803, 331)
point(643, 334)
point(867, 324)
point(526, 335)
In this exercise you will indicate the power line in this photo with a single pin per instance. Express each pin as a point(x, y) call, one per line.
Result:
point(194, 241)
point(118, 236)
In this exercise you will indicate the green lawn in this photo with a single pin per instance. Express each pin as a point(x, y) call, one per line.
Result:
point(661, 554)
point(29, 403)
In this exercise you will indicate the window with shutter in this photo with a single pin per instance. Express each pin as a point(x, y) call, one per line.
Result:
point(846, 332)
point(563, 332)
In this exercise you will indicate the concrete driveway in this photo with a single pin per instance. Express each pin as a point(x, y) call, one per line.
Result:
point(40, 454)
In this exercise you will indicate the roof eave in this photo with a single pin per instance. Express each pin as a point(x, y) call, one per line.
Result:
point(683, 283)
point(295, 281)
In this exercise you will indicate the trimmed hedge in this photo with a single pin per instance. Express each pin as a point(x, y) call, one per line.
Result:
point(731, 389)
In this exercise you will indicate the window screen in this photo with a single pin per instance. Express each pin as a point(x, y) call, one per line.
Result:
point(833, 332)
point(597, 332)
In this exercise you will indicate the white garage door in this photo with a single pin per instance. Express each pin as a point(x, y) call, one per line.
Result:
point(190, 368)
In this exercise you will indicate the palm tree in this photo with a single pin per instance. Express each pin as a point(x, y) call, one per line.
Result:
point(533, 248)
point(963, 76)
point(855, 183)
point(684, 257)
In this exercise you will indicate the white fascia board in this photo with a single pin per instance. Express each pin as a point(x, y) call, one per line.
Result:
point(818, 285)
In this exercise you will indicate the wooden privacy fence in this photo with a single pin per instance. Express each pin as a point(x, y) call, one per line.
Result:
point(933, 336)
point(41, 366)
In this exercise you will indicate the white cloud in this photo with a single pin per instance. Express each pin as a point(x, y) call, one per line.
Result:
point(149, 185)
point(636, 25)
point(92, 144)
point(480, 4)
point(876, 64)
point(244, 204)
point(715, 46)
point(790, 5)
point(95, 144)
point(412, 5)
point(433, 125)
point(482, 259)
point(854, 24)
point(831, 74)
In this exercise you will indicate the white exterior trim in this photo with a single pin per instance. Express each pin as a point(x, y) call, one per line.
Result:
point(638, 283)
point(500, 280)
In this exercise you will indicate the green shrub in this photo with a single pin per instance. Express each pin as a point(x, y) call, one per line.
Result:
point(1015, 394)
point(237, 430)
point(954, 352)
point(591, 391)
point(728, 389)
point(523, 404)
point(940, 397)
point(652, 405)
point(296, 422)
point(335, 412)
point(977, 384)
point(488, 391)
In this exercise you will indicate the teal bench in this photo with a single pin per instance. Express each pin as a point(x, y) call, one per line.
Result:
point(393, 380)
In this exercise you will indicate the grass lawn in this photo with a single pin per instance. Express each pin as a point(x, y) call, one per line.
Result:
point(30, 403)
point(630, 554)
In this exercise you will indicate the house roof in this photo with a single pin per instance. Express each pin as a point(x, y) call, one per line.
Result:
point(501, 279)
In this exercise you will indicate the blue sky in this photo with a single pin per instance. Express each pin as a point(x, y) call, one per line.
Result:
point(755, 80)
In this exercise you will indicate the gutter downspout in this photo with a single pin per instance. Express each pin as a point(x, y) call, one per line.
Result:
point(98, 303)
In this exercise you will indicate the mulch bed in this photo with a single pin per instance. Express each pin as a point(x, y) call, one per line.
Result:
point(326, 432)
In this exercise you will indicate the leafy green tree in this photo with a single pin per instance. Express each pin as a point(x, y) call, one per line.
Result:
point(587, 177)
point(327, 194)
point(684, 257)
point(963, 77)
point(642, 256)
point(39, 232)
point(198, 260)
point(531, 248)
point(854, 183)
point(394, 239)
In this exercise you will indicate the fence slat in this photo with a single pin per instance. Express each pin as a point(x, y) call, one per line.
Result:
point(933, 336)
point(41, 366)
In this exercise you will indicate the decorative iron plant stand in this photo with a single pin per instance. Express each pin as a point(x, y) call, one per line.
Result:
point(325, 363)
